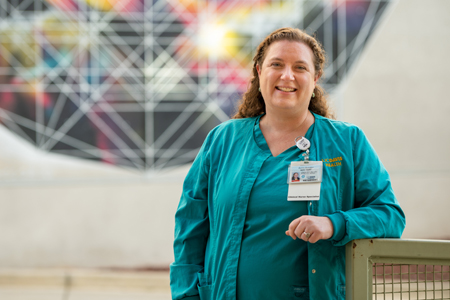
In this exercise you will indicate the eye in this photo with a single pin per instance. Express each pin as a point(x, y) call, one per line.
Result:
point(301, 68)
point(275, 64)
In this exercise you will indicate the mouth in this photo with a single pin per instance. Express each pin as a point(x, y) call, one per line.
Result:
point(285, 89)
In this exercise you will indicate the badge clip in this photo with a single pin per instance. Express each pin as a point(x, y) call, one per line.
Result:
point(303, 144)
point(306, 156)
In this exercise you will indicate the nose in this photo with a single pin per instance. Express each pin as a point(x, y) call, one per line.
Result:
point(287, 74)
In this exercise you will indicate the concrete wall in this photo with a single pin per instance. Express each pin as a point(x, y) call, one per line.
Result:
point(59, 211)
point(399, 95)
point(62, 211)
point(89, 225)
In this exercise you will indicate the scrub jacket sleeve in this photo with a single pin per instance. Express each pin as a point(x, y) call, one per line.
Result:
point(376, 212)
point(191, 229)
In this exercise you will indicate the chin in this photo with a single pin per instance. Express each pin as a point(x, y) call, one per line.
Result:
point(288, 105)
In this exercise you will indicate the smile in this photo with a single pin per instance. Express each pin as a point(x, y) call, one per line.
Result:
point(285, 89)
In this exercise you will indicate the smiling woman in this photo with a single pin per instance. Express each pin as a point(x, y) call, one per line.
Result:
point(246, 226)
point(253, 103)
point(287, 77)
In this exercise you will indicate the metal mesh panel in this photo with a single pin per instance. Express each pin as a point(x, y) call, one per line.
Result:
point(397, 269)
point(407, 281)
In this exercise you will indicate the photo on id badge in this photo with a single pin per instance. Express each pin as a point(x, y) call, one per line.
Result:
point(295, 177)
point(297, 174)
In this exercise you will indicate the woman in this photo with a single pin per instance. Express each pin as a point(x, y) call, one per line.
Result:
point(295, 177)
point(233, 216)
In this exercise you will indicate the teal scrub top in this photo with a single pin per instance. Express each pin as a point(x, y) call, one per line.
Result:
point(265, 276)
point(356, 194)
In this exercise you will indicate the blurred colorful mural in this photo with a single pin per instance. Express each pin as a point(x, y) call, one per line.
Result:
point(139, 83)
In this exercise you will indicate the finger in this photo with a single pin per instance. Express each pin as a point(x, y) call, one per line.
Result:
point(313, 238)
point(292, 227)
point(304, 236)
point(299, 232)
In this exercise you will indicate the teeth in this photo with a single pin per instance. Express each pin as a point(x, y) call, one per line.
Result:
point(286, 89)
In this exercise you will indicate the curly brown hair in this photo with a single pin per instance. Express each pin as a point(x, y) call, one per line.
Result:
point(252, 103)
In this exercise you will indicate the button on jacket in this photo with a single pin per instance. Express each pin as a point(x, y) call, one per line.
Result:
point(356, 195)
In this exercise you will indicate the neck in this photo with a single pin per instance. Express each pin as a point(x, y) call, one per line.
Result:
point(298, 123)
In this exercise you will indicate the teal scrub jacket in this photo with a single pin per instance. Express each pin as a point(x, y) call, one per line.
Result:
point(356, 194)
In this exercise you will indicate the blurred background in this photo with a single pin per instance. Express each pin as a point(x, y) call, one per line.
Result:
point(104, 104)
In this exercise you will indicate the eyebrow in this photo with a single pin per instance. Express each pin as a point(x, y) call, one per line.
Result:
point(298, 61)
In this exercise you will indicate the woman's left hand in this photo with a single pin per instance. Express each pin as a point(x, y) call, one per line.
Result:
point(311, 228)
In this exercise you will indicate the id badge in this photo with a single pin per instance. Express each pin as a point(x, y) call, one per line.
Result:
point(304, 178)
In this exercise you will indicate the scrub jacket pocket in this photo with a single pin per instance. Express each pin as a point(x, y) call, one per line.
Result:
point(205, 292)
point(205, 288)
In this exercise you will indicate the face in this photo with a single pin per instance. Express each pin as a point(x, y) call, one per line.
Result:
point(287, 77)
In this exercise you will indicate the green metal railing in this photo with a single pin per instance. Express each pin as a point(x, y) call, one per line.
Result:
point(397, 269)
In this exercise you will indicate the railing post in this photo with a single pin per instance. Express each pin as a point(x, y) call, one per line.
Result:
point(358, 271)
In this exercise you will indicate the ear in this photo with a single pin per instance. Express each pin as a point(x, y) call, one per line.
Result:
point(258, 70)
point(317, 76)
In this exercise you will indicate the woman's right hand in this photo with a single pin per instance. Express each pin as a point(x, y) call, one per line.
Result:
point(318, 228)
